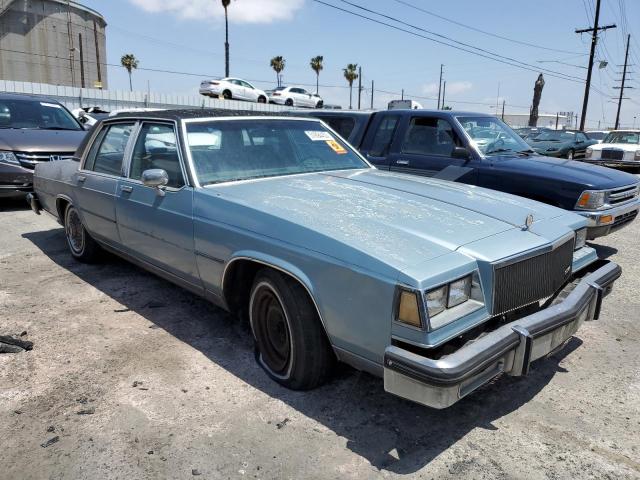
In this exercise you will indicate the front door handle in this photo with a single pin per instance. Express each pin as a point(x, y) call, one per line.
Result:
point(81, 178)
point(126, 188)
point(402, 162)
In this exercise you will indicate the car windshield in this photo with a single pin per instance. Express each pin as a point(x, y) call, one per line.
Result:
point(630, 138)
point(596, 135)
point(34, 114)
point(491, 136)
point(230, 150)
point(555, 136)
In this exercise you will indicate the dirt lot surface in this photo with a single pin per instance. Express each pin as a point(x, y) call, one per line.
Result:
point(139, 379)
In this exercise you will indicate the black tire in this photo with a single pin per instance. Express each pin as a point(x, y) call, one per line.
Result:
point(571, 155)
point(262, 99)
point(81, 245)
point(289, 102)
point(226, 95)
point(320, 104)
point(291, 345)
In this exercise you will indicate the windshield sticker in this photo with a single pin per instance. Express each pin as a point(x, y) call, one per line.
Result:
point(336, 147)
point(52, 105)
point(319, 135)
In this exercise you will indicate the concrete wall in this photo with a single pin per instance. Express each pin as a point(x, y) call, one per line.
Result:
point(38, 45)
point(116, 99)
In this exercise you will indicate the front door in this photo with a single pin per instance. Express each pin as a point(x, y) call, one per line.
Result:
point(97, 181)
point(157, 225)
point(427, 149)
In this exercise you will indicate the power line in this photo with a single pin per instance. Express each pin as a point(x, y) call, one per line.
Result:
point(495, 35)
point(528, 67)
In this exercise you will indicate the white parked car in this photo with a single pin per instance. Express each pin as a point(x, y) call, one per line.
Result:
point(232, 89)
point(597, 134)
point(619, 148)
point(295, 97)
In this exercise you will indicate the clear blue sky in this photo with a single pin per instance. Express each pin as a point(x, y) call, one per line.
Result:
point(188, 36)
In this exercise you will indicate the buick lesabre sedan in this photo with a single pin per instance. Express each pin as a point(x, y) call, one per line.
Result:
point(436, 286)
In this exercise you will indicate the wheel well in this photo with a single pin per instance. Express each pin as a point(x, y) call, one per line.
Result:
point(227, 91)
point(263, 97)
point(61, 206)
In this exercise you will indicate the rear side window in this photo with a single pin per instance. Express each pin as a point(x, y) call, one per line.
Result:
point(107, 153)
point(429, 136)
point(384, 136)
point(343, 125)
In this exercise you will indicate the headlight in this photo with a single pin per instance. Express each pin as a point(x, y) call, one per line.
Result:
point(581, 238)
point(408, 309)
point(454, 294)
point(8, 157)
point(591, 200)
point(437, 301)
point(588, 152)
point(459, 291)
point(637, 155)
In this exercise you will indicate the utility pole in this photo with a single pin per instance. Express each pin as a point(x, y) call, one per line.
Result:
point(624, 77)
point(440, 86)
point(594, 40)
point(402, 95)
point(503, 103)
point(444, 91)
point(372, 90)
point(359, 86)
point(557, 118)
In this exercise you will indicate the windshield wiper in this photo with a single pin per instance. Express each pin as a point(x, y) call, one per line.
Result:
point(526, 153)
point(498, 150)
point(59, 128)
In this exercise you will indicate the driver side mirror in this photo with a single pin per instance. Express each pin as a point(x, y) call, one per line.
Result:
point(155, 178)
point(461, 153)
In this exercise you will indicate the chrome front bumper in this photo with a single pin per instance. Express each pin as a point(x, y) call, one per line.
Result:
point(509, 349)
point(620, 216)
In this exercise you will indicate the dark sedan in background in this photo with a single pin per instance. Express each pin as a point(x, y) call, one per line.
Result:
point(33, 129)
point(561, 143)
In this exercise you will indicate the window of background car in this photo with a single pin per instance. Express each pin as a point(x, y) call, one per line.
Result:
point(492, 136)
point(107, 152)
point(430, 136)
point(156, 147)
point(596, 135)
point(343, 125)
point(555, 136)
point(35, 114)
point(581, 137)
point(384, 136)
point(631, 138)
point(245, 149)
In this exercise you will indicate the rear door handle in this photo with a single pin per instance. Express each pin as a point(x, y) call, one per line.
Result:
point(81, 178)
point(126, 188)
point(402, 162)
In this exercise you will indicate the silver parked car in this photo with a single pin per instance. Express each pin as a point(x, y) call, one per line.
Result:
point(437, 286)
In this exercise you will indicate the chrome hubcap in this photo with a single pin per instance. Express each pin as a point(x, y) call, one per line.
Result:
point(75, 231)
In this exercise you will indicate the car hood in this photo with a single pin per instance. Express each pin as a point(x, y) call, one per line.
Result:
point(50, 141)
point(396, 219)
point(627, 147)
point(570, 171)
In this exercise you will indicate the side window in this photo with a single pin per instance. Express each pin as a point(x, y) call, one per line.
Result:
point(342, 125)
point(429, 136)
point(107, 152)
point(581, 137)
point(156, 147)
point(384, 136)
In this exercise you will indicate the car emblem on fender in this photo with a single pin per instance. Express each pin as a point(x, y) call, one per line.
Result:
point(55, 158)
point(528, 222)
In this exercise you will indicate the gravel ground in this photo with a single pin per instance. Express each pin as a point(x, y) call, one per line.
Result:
point(136, 378)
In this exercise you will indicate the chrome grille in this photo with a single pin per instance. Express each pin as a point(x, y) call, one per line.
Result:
point(612, 154)
point(30, 159)
point(623, 194)
point(625, 218)
point(527, 281)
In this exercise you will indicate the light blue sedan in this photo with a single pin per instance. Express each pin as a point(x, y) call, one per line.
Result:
point(436, 286)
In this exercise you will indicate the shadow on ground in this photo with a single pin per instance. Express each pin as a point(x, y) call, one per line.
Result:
point(389, 432)
point(13, 204)
point(603, 251)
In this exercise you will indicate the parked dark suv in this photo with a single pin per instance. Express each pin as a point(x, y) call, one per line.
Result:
point(33, 129)
point(480, 149)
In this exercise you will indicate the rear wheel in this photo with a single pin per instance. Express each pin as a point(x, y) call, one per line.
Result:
point(289, 102)
point(82, 246)
point(226, 95)
point(291, 345)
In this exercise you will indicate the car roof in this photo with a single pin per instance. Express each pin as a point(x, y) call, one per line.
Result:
point(24, 96)
point(190, 113)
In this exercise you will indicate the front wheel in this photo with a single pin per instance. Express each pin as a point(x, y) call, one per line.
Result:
point(82, 246)
point(571, 155)
point(289, 102)
point(262, 99)
point(291, 345)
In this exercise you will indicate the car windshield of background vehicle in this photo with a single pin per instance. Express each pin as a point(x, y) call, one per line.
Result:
point(34, 114)
point(595, 135)
point(553, 136)
point(226, 151)
point(631, 138)
point(491, 136)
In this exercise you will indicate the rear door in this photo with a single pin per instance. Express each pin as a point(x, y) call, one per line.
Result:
point(250, 93)
point(426, 149)
point(97, 180)
point(157, 226)
point(378, 142)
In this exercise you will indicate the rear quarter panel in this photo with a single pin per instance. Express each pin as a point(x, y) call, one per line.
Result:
point(53, 180)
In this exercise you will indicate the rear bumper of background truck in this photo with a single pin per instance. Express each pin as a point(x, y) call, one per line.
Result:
point(509, 349)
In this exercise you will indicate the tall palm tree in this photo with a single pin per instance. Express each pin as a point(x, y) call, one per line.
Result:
point(225, 5)
point(278, 64)
point(130, 62)
point(316, 66)
point(351, 74)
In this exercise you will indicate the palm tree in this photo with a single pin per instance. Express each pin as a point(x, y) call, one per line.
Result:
point(350, 73)
point(225, 5)
point(130, 62)
point(278, 64)
point(316, 66)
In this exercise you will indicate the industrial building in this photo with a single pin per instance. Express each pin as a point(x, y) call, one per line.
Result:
point(58, 42)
